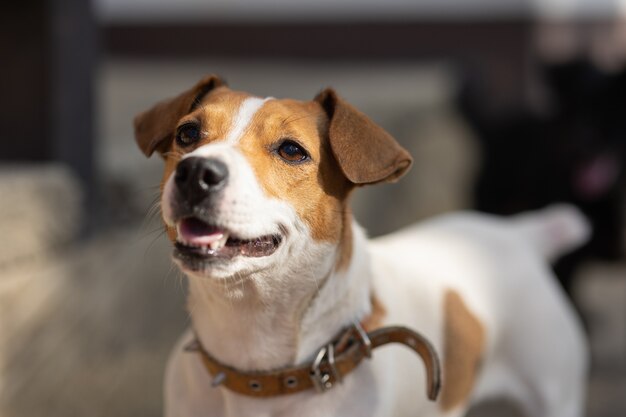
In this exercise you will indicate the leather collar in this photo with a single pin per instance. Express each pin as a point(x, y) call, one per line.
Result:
point(331, 364)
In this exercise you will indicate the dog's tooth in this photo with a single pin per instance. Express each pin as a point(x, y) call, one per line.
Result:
point(219, 243)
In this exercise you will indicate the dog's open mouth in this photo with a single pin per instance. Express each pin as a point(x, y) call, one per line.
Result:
point(198, 240)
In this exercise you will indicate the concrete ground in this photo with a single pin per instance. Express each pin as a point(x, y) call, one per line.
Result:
point(97, 318)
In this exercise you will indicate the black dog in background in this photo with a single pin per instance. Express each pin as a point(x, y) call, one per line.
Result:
point(575, 153)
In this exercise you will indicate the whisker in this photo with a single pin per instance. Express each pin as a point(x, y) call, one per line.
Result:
point(153, 211)
point(169, 274)
point(145, 254)
point(150, 232)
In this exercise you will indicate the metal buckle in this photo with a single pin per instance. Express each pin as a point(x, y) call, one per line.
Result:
point(367, 343)
point(331, 363)
point(322, 380)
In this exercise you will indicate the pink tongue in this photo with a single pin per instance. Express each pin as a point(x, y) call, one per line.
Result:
point(197, 232)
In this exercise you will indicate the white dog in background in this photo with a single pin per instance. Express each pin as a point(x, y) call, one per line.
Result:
point(282, 281)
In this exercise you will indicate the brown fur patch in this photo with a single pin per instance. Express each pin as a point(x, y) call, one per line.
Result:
point(376, 316)
point(154, 128)
point(316, 189)
point(464, 342)
point(344, 252)
point(215, 115)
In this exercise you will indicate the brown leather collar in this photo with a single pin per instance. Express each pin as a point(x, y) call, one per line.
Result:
point(332, 363)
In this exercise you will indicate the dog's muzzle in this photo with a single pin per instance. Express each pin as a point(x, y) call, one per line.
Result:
point(203, 234)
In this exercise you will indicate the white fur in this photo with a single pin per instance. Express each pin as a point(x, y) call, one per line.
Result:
point(244, 116)
point(555, 230)
point(271, 312)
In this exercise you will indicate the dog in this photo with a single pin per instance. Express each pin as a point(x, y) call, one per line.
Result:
point(289, 300)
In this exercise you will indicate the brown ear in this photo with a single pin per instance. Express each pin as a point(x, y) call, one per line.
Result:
point(365, 152)
point(154, 128)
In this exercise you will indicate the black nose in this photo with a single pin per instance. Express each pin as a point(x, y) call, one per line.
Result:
point(196, 178)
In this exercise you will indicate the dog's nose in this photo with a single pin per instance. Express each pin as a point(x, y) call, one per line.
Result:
point(196, 177)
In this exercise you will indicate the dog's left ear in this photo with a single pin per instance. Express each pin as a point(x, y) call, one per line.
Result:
point(366, 153)
point(154, 128)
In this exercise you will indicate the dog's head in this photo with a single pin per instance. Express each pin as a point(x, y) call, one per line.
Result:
point(252, 184)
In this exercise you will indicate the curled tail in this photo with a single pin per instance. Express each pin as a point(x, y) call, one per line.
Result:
point(554, 230)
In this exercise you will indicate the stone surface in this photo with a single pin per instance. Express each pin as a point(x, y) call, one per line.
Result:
point(40, 209)
point(100, 342)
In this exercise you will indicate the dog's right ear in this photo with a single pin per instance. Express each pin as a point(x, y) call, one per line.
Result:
point(154, 128)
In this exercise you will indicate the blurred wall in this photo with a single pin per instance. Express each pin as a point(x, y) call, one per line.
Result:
point(302, 10)
point(49, 54)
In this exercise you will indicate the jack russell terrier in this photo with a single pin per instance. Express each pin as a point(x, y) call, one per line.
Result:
point(289, 300)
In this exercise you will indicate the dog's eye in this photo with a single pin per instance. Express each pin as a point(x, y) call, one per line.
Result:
point(290, 151)
point(187, 134)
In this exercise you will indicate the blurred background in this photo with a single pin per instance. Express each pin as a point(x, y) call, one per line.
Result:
point(506, 105)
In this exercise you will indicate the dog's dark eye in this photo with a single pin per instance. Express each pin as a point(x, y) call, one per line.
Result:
point(187, 134)
point(290, 151)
